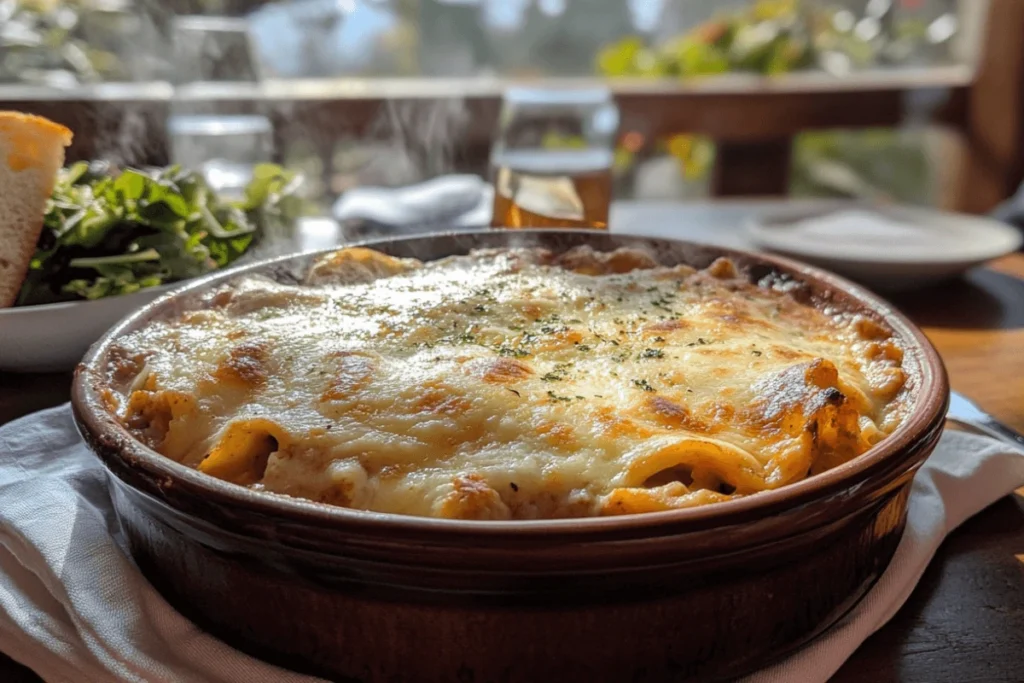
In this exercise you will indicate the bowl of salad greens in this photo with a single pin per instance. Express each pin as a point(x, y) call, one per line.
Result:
point(115, 239)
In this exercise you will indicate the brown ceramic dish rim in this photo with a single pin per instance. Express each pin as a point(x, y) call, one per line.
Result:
point(929, 407)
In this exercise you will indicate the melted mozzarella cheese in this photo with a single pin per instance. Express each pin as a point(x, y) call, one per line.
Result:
point(510, 384)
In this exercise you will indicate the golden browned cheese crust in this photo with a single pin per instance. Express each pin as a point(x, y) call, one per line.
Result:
point(511, 384)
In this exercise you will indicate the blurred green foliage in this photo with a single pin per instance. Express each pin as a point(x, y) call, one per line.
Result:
point(879, 164)
point(46, 35)
point(768, 38)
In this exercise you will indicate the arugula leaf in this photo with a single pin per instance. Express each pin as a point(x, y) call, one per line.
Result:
point(130, 184)
point(97, 261)
point(108, 233)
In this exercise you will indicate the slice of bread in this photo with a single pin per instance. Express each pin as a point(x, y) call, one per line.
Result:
point(31, 154)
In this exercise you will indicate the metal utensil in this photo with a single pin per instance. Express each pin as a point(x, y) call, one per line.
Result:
point(964, 411)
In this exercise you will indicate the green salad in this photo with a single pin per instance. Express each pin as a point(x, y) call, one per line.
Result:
point(108, 233)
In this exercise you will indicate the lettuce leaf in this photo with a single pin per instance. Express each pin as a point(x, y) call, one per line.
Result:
point(108, 233)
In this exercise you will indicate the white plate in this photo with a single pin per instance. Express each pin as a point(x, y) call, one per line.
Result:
point(885, 247)
point(54, 337)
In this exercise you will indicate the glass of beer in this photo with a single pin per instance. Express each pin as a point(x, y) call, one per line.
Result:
point(551, 163)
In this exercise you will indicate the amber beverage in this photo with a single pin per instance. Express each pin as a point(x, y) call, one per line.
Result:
point(551, 162)
point(567, 188)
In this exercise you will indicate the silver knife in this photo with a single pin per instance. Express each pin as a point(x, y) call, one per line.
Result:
point(962, 410)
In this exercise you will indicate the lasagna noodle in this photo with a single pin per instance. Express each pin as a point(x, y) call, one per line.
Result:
point(243, 450)
point(511, 384)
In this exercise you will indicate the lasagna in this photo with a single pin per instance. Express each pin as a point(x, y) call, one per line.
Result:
point(510, 384)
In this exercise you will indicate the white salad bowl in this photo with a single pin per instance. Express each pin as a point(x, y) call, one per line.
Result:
point(54, 337)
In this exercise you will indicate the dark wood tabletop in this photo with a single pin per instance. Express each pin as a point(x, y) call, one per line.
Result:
point(965, 621)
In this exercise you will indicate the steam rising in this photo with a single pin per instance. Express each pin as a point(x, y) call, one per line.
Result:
point(423, 133)
point(123, 134)
point(408, 141)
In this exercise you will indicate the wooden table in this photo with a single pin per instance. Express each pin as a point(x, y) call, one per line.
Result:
point(965, 621)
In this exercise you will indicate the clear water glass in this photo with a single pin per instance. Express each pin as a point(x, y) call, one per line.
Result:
point(224, 148)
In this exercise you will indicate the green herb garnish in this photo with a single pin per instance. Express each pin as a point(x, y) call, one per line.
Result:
point(643, 384)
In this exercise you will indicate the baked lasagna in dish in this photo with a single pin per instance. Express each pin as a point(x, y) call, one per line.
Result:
point(510, 384)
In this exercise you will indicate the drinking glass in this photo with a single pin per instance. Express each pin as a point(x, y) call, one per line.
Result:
point(551, 163)
point(224, 148)
point(224, 145)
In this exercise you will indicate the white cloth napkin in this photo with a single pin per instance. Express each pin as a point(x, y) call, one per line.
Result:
point(73, 607)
